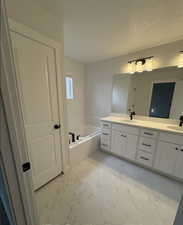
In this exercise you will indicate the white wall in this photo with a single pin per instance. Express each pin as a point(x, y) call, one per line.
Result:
point(76, 107)
point(99, 77)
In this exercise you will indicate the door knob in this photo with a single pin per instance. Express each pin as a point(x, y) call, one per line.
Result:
point(57, 126)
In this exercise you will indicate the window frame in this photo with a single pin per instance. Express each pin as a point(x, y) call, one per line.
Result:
point(69, 96)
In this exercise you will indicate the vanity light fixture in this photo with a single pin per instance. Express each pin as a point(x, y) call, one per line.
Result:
point(180, 65)
point(140, 65)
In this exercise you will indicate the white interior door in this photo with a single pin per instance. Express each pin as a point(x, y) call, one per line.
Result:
point(36, 75)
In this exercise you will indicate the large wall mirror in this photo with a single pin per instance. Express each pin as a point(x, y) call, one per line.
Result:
point(158, 93)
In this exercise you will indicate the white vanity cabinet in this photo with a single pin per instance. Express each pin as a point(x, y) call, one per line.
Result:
point(158, 149)
point(169, 156)
point(124, 141)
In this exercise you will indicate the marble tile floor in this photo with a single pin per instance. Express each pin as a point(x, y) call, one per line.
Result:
point(105, 190)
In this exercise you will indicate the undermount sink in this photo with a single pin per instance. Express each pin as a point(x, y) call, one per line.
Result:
point(175, 128)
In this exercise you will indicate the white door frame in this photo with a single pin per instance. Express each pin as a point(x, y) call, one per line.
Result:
point(9, 171)
point(13, 135)
point(61, 93)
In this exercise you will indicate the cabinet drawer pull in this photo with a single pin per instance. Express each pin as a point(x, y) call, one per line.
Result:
point(177, 149)
point(105, 125)
point(147, 133)
point(144, 158)
point(105, 134)
point(123, 135)
point(147, 145)
point(181, 150)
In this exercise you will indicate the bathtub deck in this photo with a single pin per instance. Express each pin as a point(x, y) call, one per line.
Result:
point(104, 190)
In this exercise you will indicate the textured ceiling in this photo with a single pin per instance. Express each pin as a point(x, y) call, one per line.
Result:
point(100, 29)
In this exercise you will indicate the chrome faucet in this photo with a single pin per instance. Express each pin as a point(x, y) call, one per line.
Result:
point(181, 121)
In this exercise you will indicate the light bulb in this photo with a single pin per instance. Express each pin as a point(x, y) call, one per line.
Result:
point(131, 67)
point(180, 65)
point(139, 67)
point(149, 64)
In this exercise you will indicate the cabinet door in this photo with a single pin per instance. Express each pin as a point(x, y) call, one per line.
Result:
point(131, 146)
point(118, 143)
point(178, 172)
point(166, 157)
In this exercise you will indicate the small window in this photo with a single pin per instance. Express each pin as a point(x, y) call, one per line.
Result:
point(69, 88)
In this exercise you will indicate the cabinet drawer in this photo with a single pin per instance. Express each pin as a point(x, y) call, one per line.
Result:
point(106, 132)
point(172, 138)
point(125, 128)
point(147, 144)
point(105, 146)
point(105, 139)
point(105, 125)
point(145, 158)
point(148, 133)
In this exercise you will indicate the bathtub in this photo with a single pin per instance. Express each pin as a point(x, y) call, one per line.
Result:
point(82, 148)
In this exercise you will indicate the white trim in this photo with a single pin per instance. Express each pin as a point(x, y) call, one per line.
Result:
point(57, 47)
point(62, 110)
point(69, 98)
point(16, 133)
point(30, 33)
point(164, 81)
point(9, 171)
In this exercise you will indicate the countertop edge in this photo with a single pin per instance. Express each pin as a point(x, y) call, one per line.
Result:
point(141, 126)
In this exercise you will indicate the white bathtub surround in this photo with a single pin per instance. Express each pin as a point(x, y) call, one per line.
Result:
point(105, 190)
point(87, 144)
point(155, 145)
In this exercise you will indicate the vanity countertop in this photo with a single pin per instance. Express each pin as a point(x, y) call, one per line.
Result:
point(145, 124)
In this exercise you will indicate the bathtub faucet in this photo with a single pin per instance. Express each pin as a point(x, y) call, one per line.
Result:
point(77, 137)
point(73, 136)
